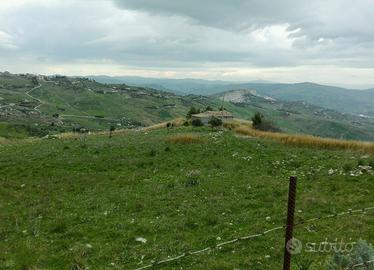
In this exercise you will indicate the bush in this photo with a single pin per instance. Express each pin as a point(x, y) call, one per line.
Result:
point(215, 122)
point(197, 123)
point(111, 130)
point(192, 111)
point(257, 119)
point(267, 126)
point(362, 253)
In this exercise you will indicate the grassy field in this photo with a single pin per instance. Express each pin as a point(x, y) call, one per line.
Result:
point(94, 202)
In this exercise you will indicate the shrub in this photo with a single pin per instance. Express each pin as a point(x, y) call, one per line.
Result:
point(362, 253)
point(192, 111)
point(111, 130)
point(197, 123)
point(215, 122)
point(268, 126)
point(259, 123)
point(257, 119)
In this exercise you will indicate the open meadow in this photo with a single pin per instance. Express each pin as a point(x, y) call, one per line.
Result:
point(94, 202)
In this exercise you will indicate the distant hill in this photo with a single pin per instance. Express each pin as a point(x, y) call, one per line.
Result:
point(37, 106)
point(302, 117)
point(336, 98)
point(180, 86)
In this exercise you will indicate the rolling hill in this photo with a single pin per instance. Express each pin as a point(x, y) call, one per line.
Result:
point(40, 105)
point(336, 98)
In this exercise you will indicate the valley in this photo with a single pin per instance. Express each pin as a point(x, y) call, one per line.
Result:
point(46, 105)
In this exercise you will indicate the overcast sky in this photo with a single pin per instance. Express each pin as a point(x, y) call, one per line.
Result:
point(323, 41)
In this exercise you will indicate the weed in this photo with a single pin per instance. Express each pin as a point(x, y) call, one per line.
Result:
point(192, 178)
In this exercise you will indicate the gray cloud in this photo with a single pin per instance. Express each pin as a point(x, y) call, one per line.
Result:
point(202, 35)
point(316, 19)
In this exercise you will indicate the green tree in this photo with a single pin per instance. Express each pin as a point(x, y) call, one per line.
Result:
point(192, 111)
point(111, 130)
point(257, 120)
point(215, 122)
point(208, 109)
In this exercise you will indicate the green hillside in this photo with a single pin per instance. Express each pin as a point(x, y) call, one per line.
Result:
point(335, 98)
point(61, 103)
point(98, 203)
point(38, 106)
point(301, 117)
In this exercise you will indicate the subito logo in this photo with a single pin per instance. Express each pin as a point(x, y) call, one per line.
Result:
point(294, 246)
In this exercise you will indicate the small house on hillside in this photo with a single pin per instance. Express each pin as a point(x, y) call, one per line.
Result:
point(206, 116)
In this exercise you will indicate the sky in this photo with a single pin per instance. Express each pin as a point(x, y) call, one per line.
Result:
point(322, 41)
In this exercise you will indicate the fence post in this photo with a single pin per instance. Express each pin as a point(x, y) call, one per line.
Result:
point(290, 222)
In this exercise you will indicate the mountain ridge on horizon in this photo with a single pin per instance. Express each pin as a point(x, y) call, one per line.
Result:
point(102, 78)
point(359, 102)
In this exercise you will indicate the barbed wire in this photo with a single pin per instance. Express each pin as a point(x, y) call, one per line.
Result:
point(253, 236)
point(366, 264)
point(335, 215)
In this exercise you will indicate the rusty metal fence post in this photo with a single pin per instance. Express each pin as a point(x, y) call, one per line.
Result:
point(290, 222)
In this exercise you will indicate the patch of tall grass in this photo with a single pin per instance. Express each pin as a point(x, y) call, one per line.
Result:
point(186, 139)
point(178, 122)
point(307, 140)
point(236, 123)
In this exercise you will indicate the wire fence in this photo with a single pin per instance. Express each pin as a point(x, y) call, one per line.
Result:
point(257, 235)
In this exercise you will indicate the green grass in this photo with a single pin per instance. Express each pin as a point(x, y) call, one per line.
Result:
point(73, 203)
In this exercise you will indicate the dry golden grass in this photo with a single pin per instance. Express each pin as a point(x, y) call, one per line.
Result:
point(309, 141)
point(236, 123)
point(186, 139)
point(178, 122)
